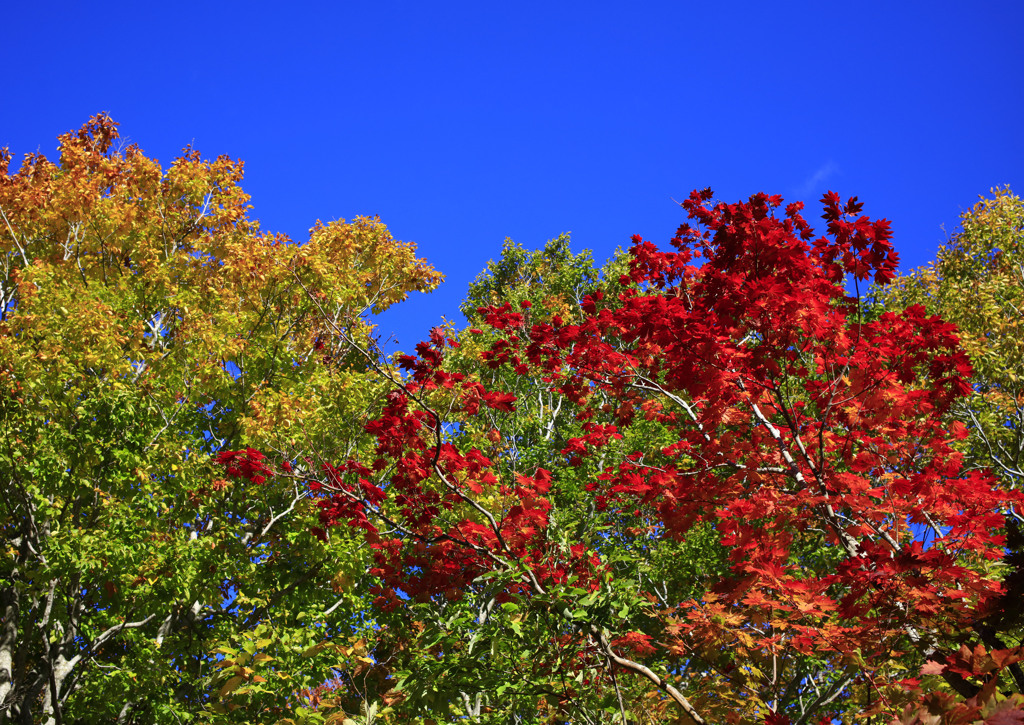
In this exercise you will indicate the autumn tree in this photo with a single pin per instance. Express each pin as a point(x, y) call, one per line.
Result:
point(702, 485)
point(147, 325)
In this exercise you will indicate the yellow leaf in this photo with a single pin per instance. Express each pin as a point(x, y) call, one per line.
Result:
point(231, 684)
point(313, 650)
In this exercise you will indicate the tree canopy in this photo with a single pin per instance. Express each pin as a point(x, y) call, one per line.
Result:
point(704, 483)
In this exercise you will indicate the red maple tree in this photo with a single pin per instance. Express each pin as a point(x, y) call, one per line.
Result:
point(809, 439)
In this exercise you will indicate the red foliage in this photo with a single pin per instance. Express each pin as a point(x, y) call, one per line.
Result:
point(247, 464)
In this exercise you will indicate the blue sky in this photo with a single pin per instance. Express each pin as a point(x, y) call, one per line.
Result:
point(462, 123)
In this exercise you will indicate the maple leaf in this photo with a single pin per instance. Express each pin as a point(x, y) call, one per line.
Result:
point(499, 401)
point(1008, 712)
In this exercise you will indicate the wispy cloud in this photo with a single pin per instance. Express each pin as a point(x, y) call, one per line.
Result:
point(815, 181)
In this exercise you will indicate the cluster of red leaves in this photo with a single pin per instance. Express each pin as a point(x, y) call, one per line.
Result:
point(430, 480)
point(248, 464)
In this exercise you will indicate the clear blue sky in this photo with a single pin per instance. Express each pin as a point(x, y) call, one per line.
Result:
point(463, 123)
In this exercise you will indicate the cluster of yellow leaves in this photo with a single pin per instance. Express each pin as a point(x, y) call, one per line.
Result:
point(116, 270)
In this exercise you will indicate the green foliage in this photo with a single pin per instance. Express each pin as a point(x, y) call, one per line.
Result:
point(553, 275)
point(147, 323)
